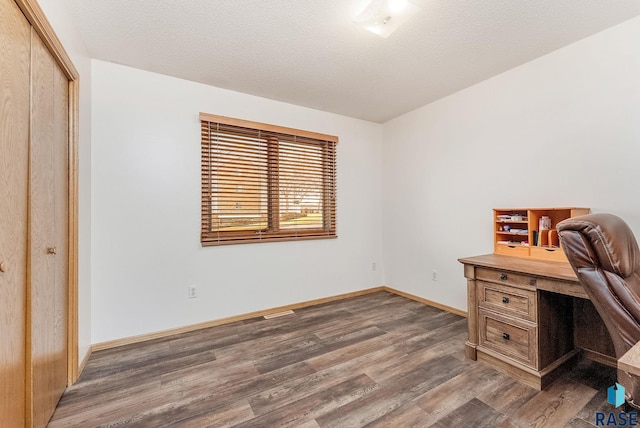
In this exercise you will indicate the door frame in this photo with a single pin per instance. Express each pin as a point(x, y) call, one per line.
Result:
point(36, 17)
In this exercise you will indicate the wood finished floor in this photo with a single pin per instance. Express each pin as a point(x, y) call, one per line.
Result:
point(378, 360)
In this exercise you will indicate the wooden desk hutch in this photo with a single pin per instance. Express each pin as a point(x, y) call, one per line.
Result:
point(528, 315)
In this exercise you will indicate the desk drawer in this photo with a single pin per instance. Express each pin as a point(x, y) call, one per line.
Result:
point(509, 300)
point(551, 254)
point(516, 250)
point(510, 337)
point(507, 278)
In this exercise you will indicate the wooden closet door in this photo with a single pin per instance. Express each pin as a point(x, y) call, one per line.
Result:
point(61, 220)
point(14, 144)
point(47, 324)
point(61, 235)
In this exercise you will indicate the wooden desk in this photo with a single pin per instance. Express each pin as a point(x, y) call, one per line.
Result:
point(630, 361)
point(531, 318)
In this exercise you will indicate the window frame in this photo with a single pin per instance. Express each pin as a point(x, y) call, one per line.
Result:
point(271, 137)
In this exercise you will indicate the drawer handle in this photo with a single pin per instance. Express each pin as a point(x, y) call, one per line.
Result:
point(533, 281)
point(505, 300)
point(506, 336)
point(503, 276)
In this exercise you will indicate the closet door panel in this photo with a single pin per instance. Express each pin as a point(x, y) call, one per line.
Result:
point(14, 144)
point(47, 323)
point(61, 229)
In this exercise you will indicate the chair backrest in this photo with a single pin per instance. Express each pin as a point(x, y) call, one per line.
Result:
point(604, 254)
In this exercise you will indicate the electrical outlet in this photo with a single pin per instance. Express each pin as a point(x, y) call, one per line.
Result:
point(374, 266)
point(434, 275)
point(193, 292)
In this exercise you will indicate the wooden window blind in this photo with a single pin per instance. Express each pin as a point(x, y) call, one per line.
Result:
point(263, 183)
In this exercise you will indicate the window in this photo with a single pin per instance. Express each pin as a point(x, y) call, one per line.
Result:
point(263, 182)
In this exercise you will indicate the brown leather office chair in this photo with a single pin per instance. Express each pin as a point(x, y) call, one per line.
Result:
point(604, 254)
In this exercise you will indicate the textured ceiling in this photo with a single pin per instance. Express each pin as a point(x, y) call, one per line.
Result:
point(309, 53)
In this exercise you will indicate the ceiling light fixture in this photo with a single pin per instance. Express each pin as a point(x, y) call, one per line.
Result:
point(383, 17)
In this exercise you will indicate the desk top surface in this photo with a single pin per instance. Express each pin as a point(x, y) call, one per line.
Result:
point(630, 361)
point(555, 270)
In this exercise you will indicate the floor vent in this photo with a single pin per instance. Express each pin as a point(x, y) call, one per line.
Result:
point(278, 314)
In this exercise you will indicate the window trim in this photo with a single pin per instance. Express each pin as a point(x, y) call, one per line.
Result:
point(209, 237)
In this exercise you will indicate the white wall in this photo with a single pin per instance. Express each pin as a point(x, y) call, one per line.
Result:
point(65, 29)
point(563, 130)
point(146, 210)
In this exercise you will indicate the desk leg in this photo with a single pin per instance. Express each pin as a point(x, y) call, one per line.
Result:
point(472, 316)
